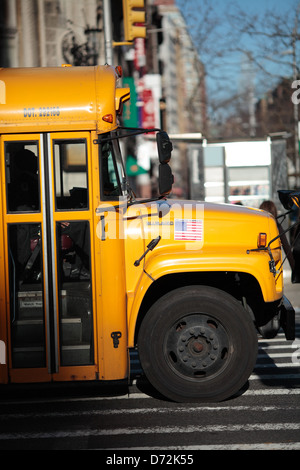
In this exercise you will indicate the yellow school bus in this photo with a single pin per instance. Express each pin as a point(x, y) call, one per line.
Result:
point(88, 271)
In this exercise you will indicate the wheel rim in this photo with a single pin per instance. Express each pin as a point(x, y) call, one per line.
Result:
point(197, 347)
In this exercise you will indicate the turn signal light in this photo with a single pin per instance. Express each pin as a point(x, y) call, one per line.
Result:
point(108, 118)
point(119, 71)
point(262, 240)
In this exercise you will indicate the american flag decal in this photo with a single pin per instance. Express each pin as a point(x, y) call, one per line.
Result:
point(188, 229)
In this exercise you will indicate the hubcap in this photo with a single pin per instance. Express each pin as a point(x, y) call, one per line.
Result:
point(197, 346)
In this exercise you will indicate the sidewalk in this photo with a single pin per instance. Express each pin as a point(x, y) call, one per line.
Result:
point(291, 291)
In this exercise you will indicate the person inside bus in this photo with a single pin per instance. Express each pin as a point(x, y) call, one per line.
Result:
point(23, 188)
point(296, 252)
point(74, 237)
point(23, 196)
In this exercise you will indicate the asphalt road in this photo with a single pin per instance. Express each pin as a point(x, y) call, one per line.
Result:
point(265, 415)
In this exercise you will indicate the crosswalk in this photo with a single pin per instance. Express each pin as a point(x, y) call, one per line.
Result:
point(274, 357)
point(250, 419)
point(276, 376)
point(278, 359)
point(264, 416)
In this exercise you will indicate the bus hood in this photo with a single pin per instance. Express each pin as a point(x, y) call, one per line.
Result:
point(173, 236)
point(194, 225)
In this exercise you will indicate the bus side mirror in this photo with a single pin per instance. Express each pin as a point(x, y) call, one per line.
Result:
point(288, 198)
point(165, 179)
point(164, 147)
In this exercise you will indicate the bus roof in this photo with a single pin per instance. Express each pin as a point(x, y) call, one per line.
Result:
point(60, 98)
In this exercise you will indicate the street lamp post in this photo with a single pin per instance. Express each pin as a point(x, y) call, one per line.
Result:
point(108, 32)
point(93, 44)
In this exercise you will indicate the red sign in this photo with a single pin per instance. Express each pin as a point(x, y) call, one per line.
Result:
point(148, 109)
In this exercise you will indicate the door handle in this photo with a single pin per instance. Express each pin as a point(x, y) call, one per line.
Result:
point(102, 221)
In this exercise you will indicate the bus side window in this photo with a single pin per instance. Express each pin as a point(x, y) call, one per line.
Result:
point(71, 187)
point(22, 177)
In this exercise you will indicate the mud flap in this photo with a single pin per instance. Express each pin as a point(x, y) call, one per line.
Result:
point(287, 319)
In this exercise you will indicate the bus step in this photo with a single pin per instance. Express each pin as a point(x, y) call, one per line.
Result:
point(71, 330)
point(76, 354)
point(28, 356)
point(28, 331)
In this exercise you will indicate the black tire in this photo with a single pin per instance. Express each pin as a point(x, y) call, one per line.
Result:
point(197, 344)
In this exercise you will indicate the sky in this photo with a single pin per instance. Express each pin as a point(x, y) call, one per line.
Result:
point(258, 6)
point(226, 71)
point(261, 5)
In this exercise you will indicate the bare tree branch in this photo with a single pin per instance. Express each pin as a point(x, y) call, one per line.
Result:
point(226, 38)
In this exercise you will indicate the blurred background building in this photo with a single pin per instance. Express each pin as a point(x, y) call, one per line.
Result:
point(163, 70)
point(168, 90)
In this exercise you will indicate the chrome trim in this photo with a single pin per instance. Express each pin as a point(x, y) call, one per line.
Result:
point(53, 251)
point(45, 253)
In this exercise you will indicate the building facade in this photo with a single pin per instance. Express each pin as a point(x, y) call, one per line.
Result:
point(47, 33)
point(164, 70)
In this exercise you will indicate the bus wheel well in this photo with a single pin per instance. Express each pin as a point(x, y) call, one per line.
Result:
point(241, 286)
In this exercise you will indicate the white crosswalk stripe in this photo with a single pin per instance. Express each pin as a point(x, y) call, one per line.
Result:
point(265, 416)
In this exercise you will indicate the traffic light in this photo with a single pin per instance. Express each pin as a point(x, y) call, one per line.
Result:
point(133, 19)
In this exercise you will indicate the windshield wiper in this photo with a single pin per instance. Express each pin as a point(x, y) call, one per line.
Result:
point(127, 204)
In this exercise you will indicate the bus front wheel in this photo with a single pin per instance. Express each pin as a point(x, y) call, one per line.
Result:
point(197, 344)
